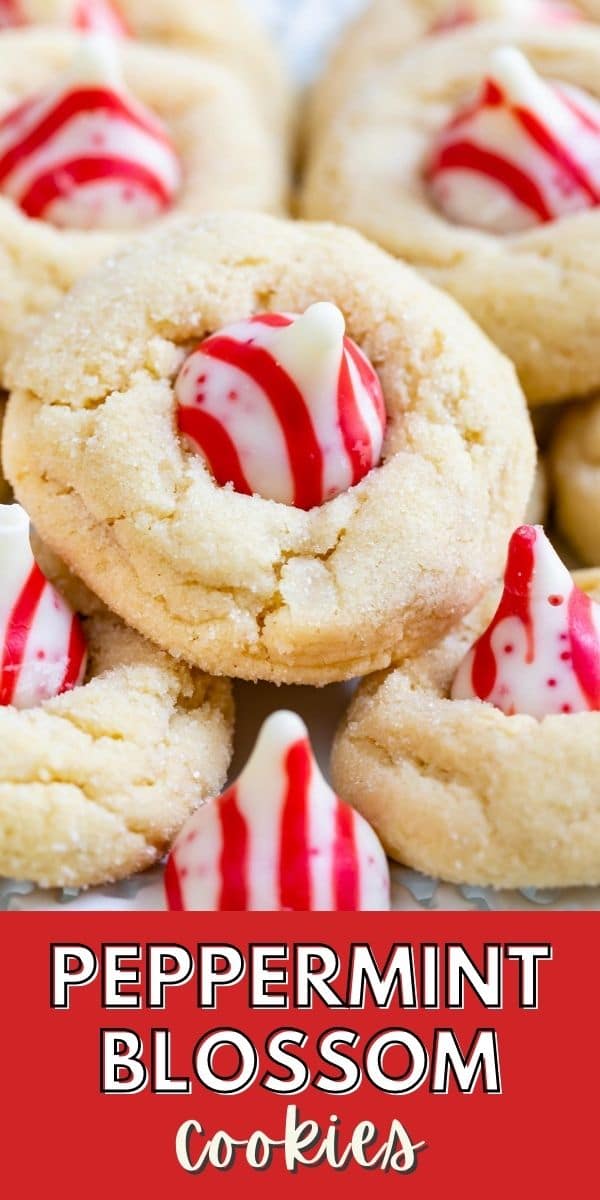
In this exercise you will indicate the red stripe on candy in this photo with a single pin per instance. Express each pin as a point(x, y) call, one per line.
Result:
point(56, 182)
point(213, 440)
point(556, 151)
point(233, 863)
point(585, 117)
point(16, 115)
point(11, 14)
point(346, 867)
point(355, 434)
point(304, 452)
point(368, 378)
point(72, 105)
point(490, 97)
point(515, 602)
point(585, 646)
point(274, 320)
point(294, 868)
point(75, 657)
point(466, 156)
point(173, 886)
point(17, 633)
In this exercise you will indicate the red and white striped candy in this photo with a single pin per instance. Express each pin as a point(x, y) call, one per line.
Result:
point(525, 152)
point(284, 407)
point(552, 11)
point(278, 840)
point(84, 154)
point(93, 16)
point(42, 648)
point(541, 653)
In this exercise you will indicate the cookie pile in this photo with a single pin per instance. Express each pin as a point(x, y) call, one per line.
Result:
point(265, 449)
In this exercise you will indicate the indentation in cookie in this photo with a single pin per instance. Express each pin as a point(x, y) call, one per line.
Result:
point(84, 153)
point(42, 647)
point(525, 152)
point(278, 840)
point(285, 407)
point(92, 16)
point(541, 653)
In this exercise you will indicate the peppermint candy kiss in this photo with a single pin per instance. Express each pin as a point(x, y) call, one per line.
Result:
point(93, 16)
point(284, 407)
point(42, 646)
point(278, 840)
point(524, 153)
point(541, 653)
point(84, 154)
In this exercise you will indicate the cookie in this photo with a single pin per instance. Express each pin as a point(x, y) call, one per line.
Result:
point(575, 471)
point(95, 782)
point(238, 583)
point(390, 164)
point(151, 134)
point(461, 790)
point(225, 33)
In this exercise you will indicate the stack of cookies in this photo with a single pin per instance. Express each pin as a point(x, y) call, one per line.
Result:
point(272, 450)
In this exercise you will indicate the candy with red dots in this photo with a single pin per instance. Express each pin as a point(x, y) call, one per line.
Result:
point(42, 647)
point(285, 407)
point(541, 653)
point(84, 154)
point(278, 840)
point(92, 16)
point(525, 152)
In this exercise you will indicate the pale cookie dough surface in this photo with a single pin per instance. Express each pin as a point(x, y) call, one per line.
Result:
point(536, 294)
point(95, 784)
point(460, 791)
point(238, 584)
point(575, 468)
point(230, 160)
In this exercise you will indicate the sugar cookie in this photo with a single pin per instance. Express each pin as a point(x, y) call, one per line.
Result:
point(236, 583)
point(458, 789)
point(172, 133)
point(536, 291)
point(96, 782)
